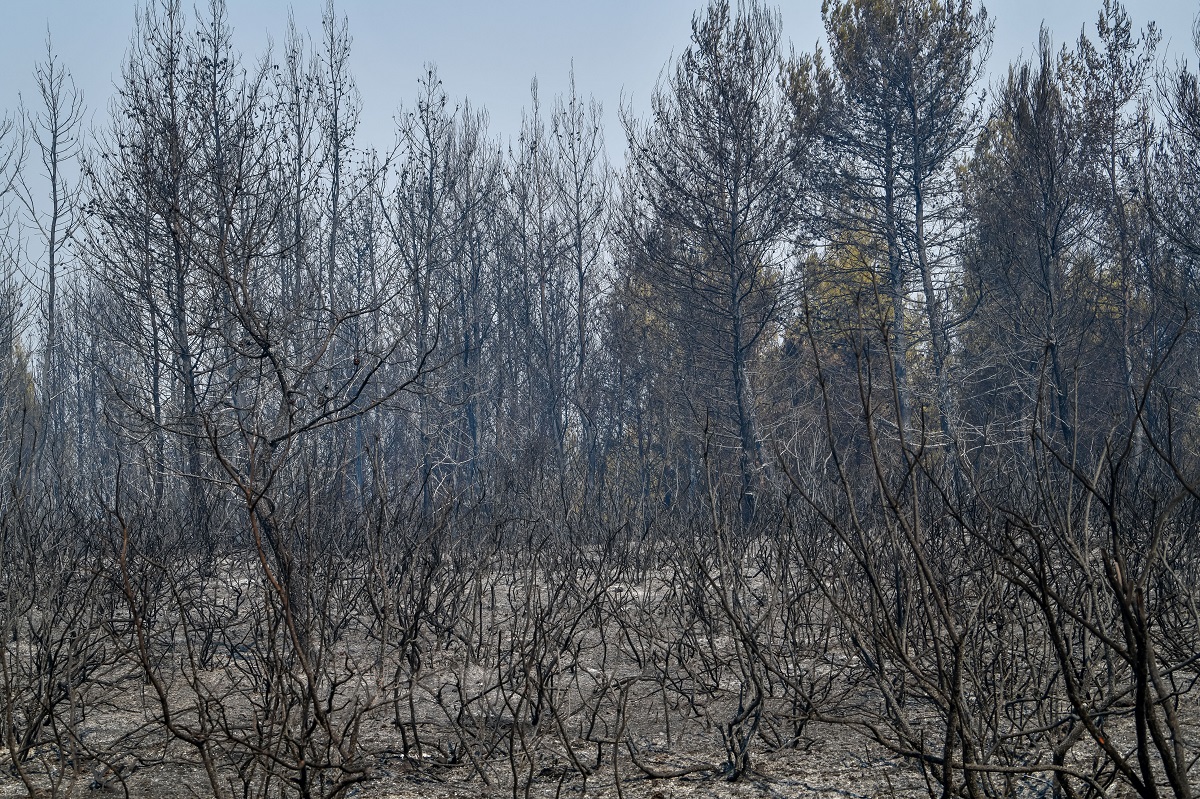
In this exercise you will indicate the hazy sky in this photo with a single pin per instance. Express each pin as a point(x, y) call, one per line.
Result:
point(488, 50)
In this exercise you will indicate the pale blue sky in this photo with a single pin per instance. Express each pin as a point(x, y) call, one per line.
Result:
point(488, 50)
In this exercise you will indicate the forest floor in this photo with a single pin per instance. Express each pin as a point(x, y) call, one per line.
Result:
point(520, 699)
point(832, 763)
